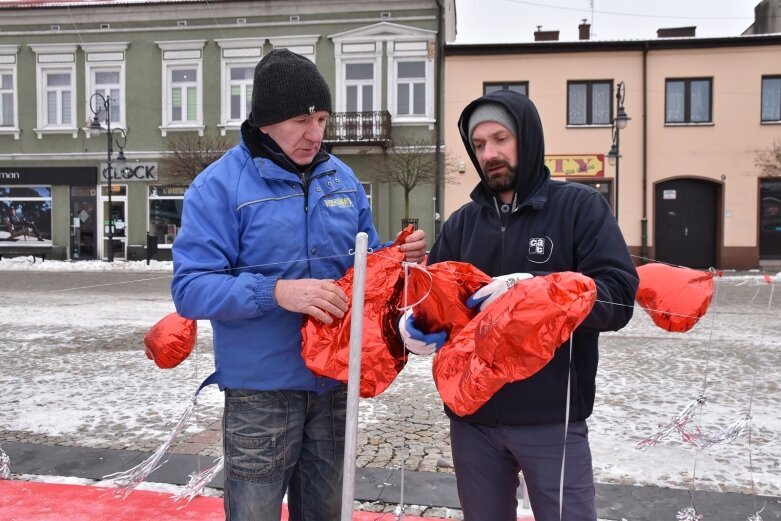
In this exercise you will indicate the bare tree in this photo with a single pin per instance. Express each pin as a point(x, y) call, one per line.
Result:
point(187, 154)
point(412, 163)
point(769, 161)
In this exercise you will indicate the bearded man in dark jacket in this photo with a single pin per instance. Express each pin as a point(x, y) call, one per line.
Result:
point(519, 224)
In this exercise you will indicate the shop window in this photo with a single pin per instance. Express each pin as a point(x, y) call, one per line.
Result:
point(25, 216)
point(165, 212)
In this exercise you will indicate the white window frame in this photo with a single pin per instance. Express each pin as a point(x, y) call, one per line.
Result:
point(304, 44)
point(53, 59)
point(366, 52)
point(410, 51)
point(402, 42)
point(361, 83)
point(8, 62)
point(104, 57)
point(236, 52)
point(177, 55)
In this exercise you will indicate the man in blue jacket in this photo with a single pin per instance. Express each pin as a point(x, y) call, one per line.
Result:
point(520, 224)
point(266, 230)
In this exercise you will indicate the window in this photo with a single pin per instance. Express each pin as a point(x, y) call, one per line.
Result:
point(9, 116)
point(520, 87)
point(165, 212)
point(183, 95)
point(588, 102)
point(7, 98)
point(688, 101)
point(367, 187)
point(771, 99)
point(240, 78)
point(56, 89)
point(239, 58)
point(182, 86)
point(411, 88)
point(105, 75)
point(359, 87)
point(25, 216)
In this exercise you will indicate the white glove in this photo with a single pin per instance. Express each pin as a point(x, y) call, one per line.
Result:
point(494, 289)
point(415, 340)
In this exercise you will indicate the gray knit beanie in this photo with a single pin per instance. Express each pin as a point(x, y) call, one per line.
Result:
point(491, 112)
point(286, 85)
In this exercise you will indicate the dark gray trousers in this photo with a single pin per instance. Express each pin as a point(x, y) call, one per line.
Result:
point(487, 461)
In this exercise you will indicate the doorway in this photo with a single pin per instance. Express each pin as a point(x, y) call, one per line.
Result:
point(118, 220)
point(83, 223)
point(686, 222)
point(770, 219)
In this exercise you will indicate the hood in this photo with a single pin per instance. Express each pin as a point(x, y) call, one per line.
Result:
point(531, 171)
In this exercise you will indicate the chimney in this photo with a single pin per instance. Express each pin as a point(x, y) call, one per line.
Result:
point(545, 36)
point(584, 30)
point(676, 32)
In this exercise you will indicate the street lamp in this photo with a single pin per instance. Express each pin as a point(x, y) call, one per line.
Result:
point(121, 162)
point(619, 123)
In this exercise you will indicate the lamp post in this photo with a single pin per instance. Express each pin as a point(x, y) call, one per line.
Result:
point(105, 101)
point(619, 122)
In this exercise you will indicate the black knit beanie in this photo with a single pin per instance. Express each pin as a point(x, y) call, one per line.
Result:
point(287, 85)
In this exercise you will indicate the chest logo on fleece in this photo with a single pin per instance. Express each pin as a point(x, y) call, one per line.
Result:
point(338, 202)
point(540, 249)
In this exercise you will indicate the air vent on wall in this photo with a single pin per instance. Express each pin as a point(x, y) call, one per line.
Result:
point(295, 18)
point(241, 20)
point(385, 14)
point(181, 23)
point(105, 26)
point(55, 27)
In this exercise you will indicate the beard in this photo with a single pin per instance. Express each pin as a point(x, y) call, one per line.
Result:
point(500, 180)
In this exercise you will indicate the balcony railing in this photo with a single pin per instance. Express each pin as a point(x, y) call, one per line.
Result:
point(358, 128)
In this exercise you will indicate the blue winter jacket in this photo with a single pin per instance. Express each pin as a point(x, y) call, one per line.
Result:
point(247, 222)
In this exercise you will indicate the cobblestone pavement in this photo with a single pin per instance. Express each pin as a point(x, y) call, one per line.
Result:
point(646, 376)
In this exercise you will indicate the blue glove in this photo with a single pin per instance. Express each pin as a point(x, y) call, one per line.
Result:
point(494, 289)
point(415, 340)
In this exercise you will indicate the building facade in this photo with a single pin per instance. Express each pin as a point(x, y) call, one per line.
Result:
point(157, 73)
point(685, 189)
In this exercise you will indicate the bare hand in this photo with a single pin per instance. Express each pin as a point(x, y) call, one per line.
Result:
point(414, 246)
point(321, 299)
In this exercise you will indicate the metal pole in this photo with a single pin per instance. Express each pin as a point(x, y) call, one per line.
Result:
point(618, 160)
point(107, 104)
point(354, 376)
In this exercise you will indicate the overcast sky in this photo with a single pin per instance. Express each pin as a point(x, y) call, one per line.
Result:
point(492, 21)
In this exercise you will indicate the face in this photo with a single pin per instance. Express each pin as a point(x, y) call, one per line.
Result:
point(299, 137)
point(496, 149)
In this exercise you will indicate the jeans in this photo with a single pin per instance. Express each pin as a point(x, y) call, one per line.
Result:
point(277, 441)
point(487, 461)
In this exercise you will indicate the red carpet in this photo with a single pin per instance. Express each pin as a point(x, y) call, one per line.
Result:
point(34, 501)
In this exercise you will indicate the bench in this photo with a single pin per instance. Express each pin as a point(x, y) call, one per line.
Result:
point(33, 252)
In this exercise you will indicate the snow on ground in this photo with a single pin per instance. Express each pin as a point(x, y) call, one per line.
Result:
point(73, 371)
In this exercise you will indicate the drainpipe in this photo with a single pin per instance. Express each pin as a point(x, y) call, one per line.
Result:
point(644, 220)
point(437, 118)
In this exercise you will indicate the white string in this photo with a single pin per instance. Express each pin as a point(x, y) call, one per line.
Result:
point(566, 428)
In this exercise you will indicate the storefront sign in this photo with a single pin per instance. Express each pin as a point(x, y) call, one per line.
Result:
point(576, 165)
point(48, 175)
point(132, 172)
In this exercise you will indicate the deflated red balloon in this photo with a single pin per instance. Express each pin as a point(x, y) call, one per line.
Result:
point(512, 338)
point(439, 294)
point(674, 297)
point(171, 340)
point(326, 347)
